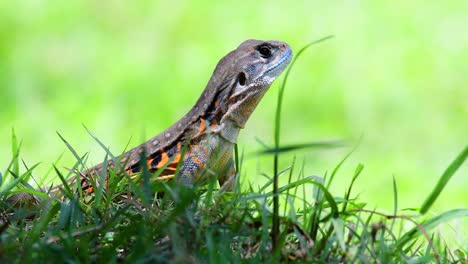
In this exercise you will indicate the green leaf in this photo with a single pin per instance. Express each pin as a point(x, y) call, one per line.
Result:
point(72, 150)
point(289, 148)
point(338, 227)
point(277, 130)
point(31, 191)
point(327, 194)
point(15, 148)
point(446, 176)
point(106, 149)
point(357, 172)
point(6, 189)
point(338, 166)
point(395, 202)
point(44, 221)
point(430, 224)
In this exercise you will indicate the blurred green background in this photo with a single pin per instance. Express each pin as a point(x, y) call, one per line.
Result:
point(396, 74)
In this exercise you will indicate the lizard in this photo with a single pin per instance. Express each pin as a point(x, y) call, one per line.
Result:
point(210, 129)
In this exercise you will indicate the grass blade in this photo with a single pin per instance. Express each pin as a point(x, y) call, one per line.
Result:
point(15, 148)
point(328, 196)
point(430, 224)
point(275, 228)
point(357, 172)
point(14, 163)
point(289, 148)
point(106, 149)
point(446, 176)
point(30, 191)
point(72, 150)
point(395, 202)
point(337, 167)
point(6, 189)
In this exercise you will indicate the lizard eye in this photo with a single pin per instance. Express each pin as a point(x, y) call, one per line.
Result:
point(265, 51)
point(241, 79)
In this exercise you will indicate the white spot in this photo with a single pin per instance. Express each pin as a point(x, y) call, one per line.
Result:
point(155, 142)
point(168, 135)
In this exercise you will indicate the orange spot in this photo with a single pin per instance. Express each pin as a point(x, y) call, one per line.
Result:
point(177, 157)
point(217, 109)
point(213, 125)
point(197, 161)
point(202, 125)
point(164, 160)
point(89, 190)
point(148, 163)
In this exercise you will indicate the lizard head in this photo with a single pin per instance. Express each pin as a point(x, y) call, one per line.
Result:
point(258, 63)
point(249, 71)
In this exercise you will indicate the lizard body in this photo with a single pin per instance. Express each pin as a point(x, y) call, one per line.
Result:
point(211, 127)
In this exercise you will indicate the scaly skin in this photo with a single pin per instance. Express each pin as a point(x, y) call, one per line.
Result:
point(211, 127)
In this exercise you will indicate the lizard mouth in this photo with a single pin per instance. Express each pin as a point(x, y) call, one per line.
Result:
point(276, 69)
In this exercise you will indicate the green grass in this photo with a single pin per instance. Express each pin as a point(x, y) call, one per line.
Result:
point(300, 221)
point(125, 222)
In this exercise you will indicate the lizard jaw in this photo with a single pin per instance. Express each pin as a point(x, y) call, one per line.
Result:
point(276, 69)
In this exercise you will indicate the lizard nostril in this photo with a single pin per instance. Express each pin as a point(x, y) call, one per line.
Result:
point(283, 46)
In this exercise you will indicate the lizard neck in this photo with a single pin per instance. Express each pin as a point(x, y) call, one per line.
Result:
point(241, 106)
point(229, 131)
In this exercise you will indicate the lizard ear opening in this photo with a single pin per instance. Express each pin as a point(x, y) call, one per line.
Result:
point(241, 79)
